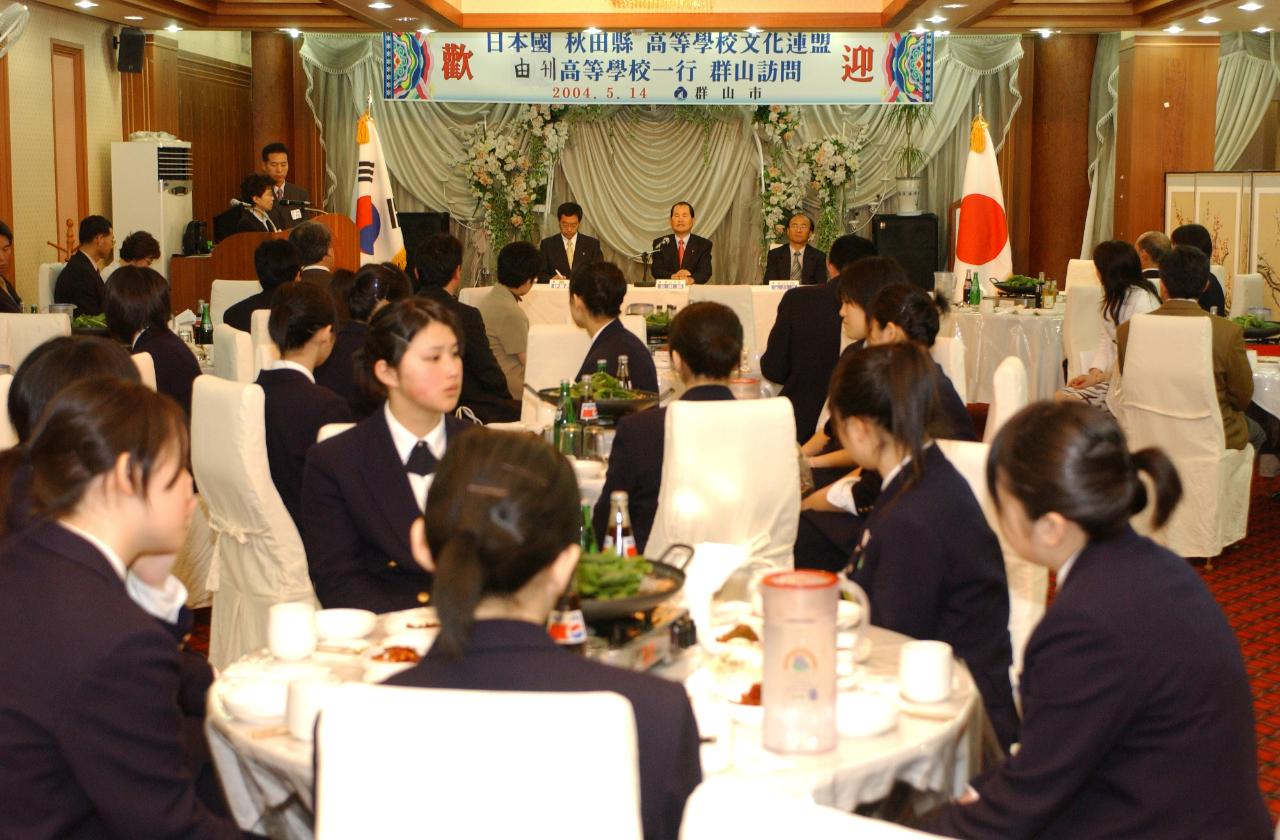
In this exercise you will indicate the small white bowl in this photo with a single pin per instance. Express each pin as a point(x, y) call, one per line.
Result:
point(259, 703)
point(376, 671)
point(344, 624)
point(861, 714)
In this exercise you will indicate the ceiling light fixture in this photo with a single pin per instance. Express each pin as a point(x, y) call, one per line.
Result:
point(754, 30)
point(173, 27)
point(406, 20)
point(426, 30)
point(942, 33)
point(1173, 30)
point(955, 5)
point(920, 30)
point(1208, 19)
point(133, 17)
point(85, 4)
point(379, 5)
point(1262, 30)
point(1250, 7)
point(1043, 33)
point(290, 31)
point(937, 18)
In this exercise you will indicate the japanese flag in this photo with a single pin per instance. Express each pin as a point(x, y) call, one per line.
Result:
point(376, 224)
point(982, 242)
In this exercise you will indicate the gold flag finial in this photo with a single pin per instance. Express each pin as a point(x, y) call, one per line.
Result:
point(978, 134)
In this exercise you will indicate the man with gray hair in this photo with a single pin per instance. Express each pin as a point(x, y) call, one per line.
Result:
point(1151, 246)
point(315, 245)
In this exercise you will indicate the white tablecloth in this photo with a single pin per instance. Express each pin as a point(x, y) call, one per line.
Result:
point(1266, 385)
point(1035, 336)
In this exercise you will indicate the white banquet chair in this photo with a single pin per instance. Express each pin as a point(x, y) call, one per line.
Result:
point(265, 351)
point(1009, 390)
point(226, 293)
point(146, 366)
point(741, 299)
point(1081, 327)
point(635, 325)
point(1169, 400)
point(20, 334)
point(949, 353)
point(1247, 291)
point(1080, 273)
point(260, 560)
point(432, 772)
point(329, 430)
point(8, 434)
point(232, 354)
point(46, 280)
point(555, 352)
point(730, 474)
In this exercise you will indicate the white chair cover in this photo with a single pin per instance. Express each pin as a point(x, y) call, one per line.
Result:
point(227, 293)
point(730, 474)
point(1081, 327)
point(764, 303)
point(635, 323)
point(1010, 394)
point(1247, 290)
point(1080, 273)
point(20, 334)
point(232, 354)
point(741, 299)
point(265, 350)
point(260, 558)
point(1028, 583)
point(46, 280)
point(1169, 400)
point(146, 369)
point(555, 352)
point(196, 558)
point(949, 353)
point(385, 771)
point(8, 435)
point(329, 430)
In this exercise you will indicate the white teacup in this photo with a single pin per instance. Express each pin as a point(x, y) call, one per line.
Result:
point(306, 697)
point(924, 671)
point(291, 630)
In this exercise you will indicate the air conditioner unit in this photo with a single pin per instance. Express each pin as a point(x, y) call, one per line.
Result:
point(151, 191)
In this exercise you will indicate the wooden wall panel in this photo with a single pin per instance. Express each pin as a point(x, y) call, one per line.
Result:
point(149, 100)
point(214, 114)
point(1015, 159)
point(6, 151)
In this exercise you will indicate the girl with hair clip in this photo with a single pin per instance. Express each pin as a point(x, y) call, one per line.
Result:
point(88, 708)
point(501, 537)
point(363, 488)
point(927, 560)
point(1137, 707)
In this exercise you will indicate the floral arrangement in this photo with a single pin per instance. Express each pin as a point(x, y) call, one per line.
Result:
point(829, 167)
point(778, 123)
point(781, 197)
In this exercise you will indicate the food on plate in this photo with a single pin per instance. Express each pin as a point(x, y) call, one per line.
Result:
point(1020, 281)
point(751, 697)
point(397, 653)
point(89, 322)
point(606, 387)
point(740, 631)
point(606, 577)
point(1253, 322)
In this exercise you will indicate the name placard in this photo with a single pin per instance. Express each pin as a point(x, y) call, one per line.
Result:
point(782, 285)
point(558, 282)
point(670, 284)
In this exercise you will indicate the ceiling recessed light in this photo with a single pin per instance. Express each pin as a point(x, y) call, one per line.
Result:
point(1262, 30)
point(1173, 30)
point(426, 30)
point(920, 29)
point(173, 27)
point(1208, 19)
point(754, 30)
point(942, 33)
point(406, 20)
point(290, 31)
point(133, 17)
point(379, 5)
point(955, 5)
point(85, 4)
point(1250, 7)
point(937, 18)
point(1043, 33)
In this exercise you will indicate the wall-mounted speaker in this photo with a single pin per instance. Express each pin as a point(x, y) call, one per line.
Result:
point(130, 45)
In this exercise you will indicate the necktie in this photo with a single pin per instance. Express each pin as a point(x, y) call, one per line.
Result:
point(568, 252)
point(680, 252)
point(421, 461)
point(795, 265)
point(279, 193)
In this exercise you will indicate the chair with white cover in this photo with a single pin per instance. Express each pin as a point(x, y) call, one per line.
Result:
point(232, 354)
point(555, 352)
point(1080, 273)
point(1247, 291)
point(227, 293)
point(379, 726)
point(20, 334)
point(46, 280)
point(146, 369)
point(1081, 327)
point(1169, 400)
point(260, 558)
point(265, 351)
point(730, 474)
point(741, 299)
point(329, 430)
point(1009, 390)
point(8, 434)
point(950, 355)
point(635, 325)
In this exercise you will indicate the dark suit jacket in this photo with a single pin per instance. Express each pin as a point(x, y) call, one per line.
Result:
point(357, 507)
point(240, 313)
point(484, 385)
point(933, 570)
point(338, 373)
point(635, 464)
point(249, 223)
point(586, 251)
point(953, 408)
point(518, 656)
point(90, 726)
point(176, 365)
point(1138, 719)
point(1212, 296)
point(294, 411)
point(697, 257)
point(283, 216)
point(803, 348)
point(316, 277)
point(616, 340)
point(813, 265)
point(10, 300)
point(80, 283)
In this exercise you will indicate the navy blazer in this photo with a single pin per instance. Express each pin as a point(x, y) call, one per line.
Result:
point(10, 300)
point(1137, 713)
point(176, 365)
point(586, 252)
point(635, 464)
point(484, 385)
point(80, 283)
point(813, 265)
point(249, 223)
point(295, 408)
point(338, 373)
point(90, 727)
point(697, 257)
point(519, 656)
point(616, 340)
point(1212, 296)
point(803, 348)
point(357, 507)
point(240, 313)
point(933, 570)
point(955, 416)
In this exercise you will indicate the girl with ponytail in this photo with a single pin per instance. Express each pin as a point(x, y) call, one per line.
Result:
point(1137, 708)
point(501, 540)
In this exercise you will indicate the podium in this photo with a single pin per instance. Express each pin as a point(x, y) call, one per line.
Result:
point(191, 278)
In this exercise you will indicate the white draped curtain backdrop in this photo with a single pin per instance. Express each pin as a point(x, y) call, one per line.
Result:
point(1247, 78)
point(629, 166)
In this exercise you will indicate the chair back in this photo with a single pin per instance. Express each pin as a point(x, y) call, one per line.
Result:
point(730, 474)
point(329, 430)
point(1009, 395)
point(741, 299)
point(490, 736)
point(46, 280)
point(227, 293)
point(635, 325)
point(950, 354)
point(1081, 327)
point(8, 434)
point(265, 351)
point(146, 369)
point(232, 354)
point(555, 352)
point(1080, 273)
point(1247, 291)
point(764, 303)
point(20, 334)
point(260, 558)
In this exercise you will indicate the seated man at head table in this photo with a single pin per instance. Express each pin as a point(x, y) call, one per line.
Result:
point(504, 322)
point(569, 251)
point(796, 259)
point(595, 301)
point(79, 283)
point(277, 262)
point(682, 255)
point(706, 345)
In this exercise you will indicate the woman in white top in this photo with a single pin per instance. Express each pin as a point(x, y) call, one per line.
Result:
point(1125, 293)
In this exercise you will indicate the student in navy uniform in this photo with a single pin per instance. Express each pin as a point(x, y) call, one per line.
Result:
point(1137, 707)
point(79, 282)
point(356, 297)
point(138, 314)
point(927, 559)
point(277, 262)
point(595, 301)
point(706, 345)
point(362, 489)
point(90, 723)
point(502, 531)
point(301, 325)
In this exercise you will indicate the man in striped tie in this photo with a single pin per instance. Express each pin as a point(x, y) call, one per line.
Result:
point(797, 260)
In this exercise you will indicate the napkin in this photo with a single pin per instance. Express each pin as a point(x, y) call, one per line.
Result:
point(184, 317)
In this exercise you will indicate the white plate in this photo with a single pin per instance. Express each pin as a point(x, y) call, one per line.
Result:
point(862, 714)
point(344, 624)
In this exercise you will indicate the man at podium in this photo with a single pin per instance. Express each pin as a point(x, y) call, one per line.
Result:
point(290, 199)
point(682, 255)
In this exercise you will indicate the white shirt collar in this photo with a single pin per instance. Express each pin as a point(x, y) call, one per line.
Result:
point(285, 364)
point(1067, 566)
point(164, 602)
point(569, 241)
point(107, 551)
point(796, 250)
point(405, 440)
point(602, 329)
point(893, 473)
point(320, 266)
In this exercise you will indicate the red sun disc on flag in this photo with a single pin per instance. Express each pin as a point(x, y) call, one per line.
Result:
point(983, 231)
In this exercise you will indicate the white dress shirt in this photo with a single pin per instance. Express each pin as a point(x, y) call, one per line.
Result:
point(405, 440)
point(163, 602)
point(284, 364)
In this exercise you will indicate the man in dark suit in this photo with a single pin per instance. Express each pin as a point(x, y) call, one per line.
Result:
point(315, 247)
point(438, 264)
point(277, 262)
point(556, 250)
point(595, 301)
point(80, 283)
point(1151, 246)
point(804, 344)
point(1210, 298)
point(275, 163)
point(682, 255)
point(797, 260)
point(10, 301)
point(706, 345)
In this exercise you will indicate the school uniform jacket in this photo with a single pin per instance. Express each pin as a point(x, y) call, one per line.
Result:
point(176, 366)
point(616, 340)
point(802, 351)
point(338, 373)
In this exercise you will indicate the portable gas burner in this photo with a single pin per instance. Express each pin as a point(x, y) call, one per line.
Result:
point(642, 640)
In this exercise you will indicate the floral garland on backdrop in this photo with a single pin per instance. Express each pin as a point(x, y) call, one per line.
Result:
point(781, 194)
point(829, 167)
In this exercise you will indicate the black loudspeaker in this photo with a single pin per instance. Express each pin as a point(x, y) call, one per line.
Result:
point(912, 241)
point(131, 43)
point(415, 227)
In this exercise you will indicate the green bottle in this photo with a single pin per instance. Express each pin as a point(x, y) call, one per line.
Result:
point(975, 291)
point(587, 535)
point(564, 411)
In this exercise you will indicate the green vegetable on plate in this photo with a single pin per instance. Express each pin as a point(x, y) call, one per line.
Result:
point(607, 577)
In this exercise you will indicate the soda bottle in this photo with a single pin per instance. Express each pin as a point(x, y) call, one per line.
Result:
point(589, 413)
point(624, 373)
point(564, 411)
point(619, 537)
point(602, 366)
point(975, 291)
point(968, 289)
point(566, 625)
point(204, 333)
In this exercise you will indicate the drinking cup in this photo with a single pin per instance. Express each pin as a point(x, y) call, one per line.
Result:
point(291, 630)
point(306, 697)
point(924, 671)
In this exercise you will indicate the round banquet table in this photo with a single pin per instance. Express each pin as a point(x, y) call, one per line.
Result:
point(1266, 385)
point(267, 774)
point(1033, 335)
